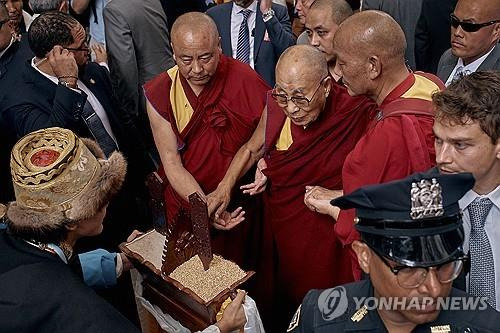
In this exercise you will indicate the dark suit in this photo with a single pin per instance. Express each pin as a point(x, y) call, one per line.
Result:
point(10, 62)
point(266, 53)
point(448, 62)
point(432, 35)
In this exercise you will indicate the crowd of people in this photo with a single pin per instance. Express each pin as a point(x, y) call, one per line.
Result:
point(338, 144)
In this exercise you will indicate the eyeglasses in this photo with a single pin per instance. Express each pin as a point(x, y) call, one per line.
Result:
point(301, 102)
point(83, 47)
point(468, 26)
point(413, 277)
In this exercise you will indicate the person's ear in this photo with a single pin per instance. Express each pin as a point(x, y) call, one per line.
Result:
point(327, 84)
point(71, 226)
point(374, 67)
point(173, 52)
point(364, 254)
point(497, 149)
point(219, 44)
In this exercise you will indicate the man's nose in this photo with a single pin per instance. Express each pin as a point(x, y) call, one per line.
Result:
point(431, 286)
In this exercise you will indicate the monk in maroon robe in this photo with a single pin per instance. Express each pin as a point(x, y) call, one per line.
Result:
point(201, 112)
point(399, 141)
point(309, 127)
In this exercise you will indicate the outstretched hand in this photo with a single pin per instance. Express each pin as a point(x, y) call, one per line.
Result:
point(227, 221)
point(260, 181)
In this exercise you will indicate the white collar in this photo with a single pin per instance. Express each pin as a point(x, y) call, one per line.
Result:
point(473, 66)
point(10, 44)
point(238, 9)
point(470, 196)
point(50, 77)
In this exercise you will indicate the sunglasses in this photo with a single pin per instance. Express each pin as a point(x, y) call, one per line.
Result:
point(468, 26)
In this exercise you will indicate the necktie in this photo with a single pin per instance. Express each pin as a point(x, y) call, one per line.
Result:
point(460, 73)
point(243, 48)
point(94, 124)
point(482, 274)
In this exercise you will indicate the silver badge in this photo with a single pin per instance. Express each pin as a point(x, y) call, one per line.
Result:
point(426, 199)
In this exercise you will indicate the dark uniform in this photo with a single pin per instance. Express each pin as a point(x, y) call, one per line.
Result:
point(310, 317)
point(415, 222)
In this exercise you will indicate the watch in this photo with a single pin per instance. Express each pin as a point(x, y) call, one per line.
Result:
point(268, 15)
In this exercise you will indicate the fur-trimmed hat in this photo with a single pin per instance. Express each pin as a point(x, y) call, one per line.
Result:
point(58, 177)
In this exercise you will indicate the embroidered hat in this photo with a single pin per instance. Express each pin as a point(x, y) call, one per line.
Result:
point(58, 176)
point(415, 221)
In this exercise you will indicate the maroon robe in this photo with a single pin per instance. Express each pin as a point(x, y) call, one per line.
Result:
point(309, 255)
point(398, 143)
point(225, 115)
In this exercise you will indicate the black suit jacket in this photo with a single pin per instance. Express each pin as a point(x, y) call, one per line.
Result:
point(40, 103)
point(432, 35)
point(266, 53)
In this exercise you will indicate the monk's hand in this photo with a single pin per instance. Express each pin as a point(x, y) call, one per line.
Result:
point(265, 5)
point(218, 200)
point(260, 181)
point(318, 199)
point(227, 221)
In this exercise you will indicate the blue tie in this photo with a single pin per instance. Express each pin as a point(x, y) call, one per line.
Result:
point(482, 273)
point(243, 48)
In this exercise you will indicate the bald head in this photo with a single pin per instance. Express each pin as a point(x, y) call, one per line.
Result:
point(338, 10)
point(370, 33)
point(192, 24)
point(302, 61)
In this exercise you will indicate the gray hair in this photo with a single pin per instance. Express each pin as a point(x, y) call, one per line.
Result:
point(42, 6)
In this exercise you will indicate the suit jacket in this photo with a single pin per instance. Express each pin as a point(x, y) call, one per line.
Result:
point(432, 35)
point(44, 104)
point(266, 53)
point(448, 62)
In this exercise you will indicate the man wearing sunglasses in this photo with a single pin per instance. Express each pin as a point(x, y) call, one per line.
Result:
point(411, 249)
point(475, 31)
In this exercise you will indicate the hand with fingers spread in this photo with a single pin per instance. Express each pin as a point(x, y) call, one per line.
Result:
point(260, 181)
point(234, 317)
point(100, 53)
point(227, 221)
point(318, 199)
point(63, 65)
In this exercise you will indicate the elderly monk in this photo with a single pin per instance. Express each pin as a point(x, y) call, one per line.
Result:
point(370, 48)
point(322, 22)
point(201, 112)
point(309, 127)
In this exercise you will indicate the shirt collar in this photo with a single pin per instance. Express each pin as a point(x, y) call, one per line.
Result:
point(238, 9)
point(473, 66)
point(470, 196)
point(8, 47)
point(50, 77)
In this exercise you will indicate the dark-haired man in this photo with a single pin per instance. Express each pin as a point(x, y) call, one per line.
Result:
point(467, 130)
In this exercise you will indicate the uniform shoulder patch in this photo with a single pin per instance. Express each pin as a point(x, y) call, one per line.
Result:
point(295, 320)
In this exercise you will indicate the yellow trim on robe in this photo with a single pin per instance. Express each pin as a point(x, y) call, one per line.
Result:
point(182, 109)
point(285, 139)
point(421, 88)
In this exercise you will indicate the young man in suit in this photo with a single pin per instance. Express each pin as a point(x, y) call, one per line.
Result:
point(254, 32)
point(475, 31)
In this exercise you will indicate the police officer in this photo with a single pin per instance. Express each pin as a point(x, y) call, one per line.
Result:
point(411, 249)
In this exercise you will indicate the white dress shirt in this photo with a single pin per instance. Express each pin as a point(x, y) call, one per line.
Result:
point(467, 69)
point(93, 101)
point(236, 19)
point(492, 228)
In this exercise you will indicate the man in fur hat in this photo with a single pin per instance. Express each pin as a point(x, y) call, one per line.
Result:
point(63, 185)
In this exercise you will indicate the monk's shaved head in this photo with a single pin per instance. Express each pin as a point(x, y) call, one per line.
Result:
point(370, 33)
point(302, 61)
point(338, 10)
point(194, 23)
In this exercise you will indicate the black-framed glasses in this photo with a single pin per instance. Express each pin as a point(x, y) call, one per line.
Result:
point(301, 102)
point(413, 277)
point(83, 47)
point(469, 26)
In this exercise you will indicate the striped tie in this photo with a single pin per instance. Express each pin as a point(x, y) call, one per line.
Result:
point(243, 49)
